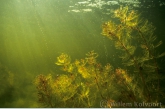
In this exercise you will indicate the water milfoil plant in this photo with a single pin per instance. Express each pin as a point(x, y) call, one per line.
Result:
point(86, 82)
point(135, 37)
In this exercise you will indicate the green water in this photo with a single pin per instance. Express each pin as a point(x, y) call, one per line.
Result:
point(34, 32)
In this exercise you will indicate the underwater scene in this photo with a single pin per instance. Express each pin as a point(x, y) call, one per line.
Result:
point(82, 53)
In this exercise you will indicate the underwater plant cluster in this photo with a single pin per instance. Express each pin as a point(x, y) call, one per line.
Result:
point(86, 82)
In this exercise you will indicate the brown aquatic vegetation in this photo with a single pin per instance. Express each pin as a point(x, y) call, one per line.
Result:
point(130, 32)
point(44, 89)
point(86, 81)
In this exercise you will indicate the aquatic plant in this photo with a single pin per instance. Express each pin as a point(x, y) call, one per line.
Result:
point(131, 35)
point(86, 82)
point(79, 87)
point(43, 85)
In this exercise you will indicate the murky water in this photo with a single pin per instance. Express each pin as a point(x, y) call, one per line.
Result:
point(33, 33)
